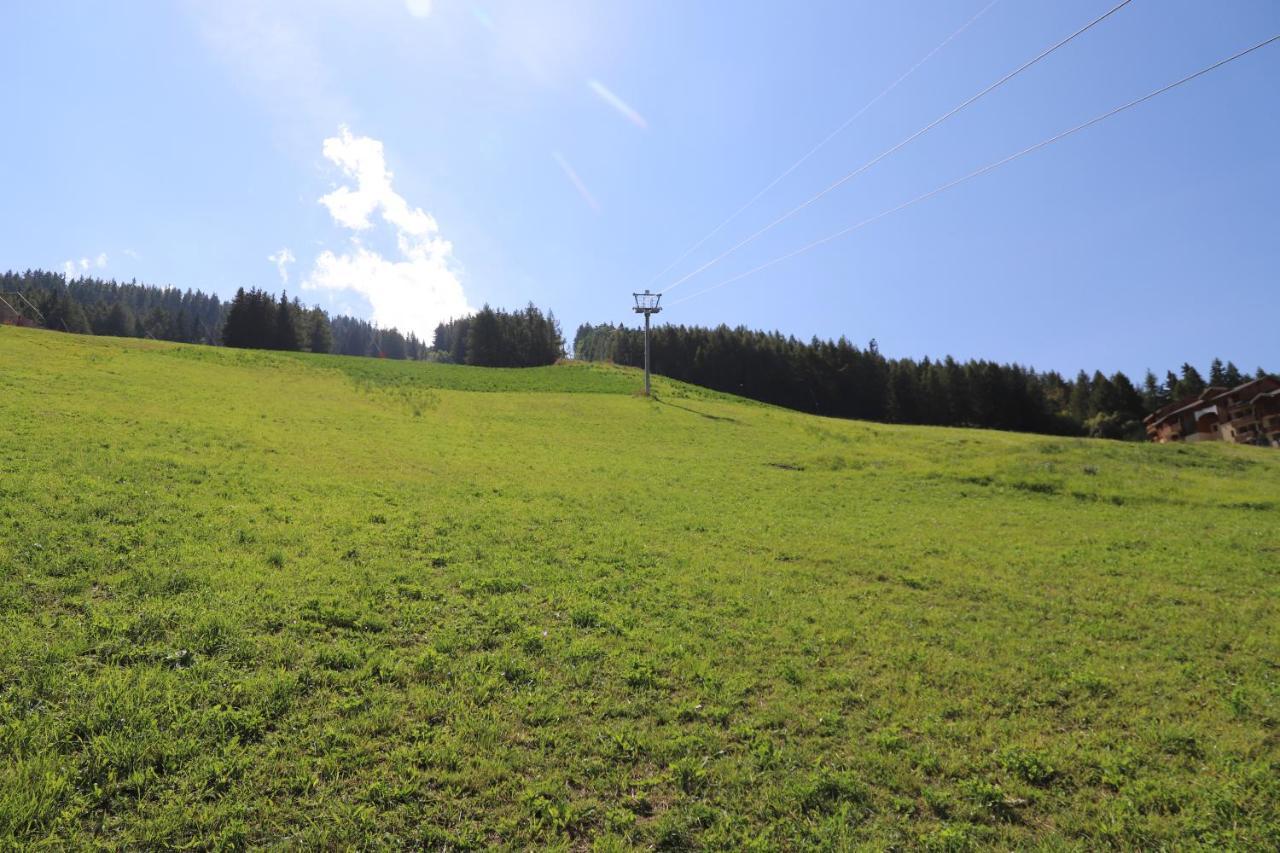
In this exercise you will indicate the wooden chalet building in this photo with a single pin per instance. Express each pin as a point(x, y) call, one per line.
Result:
point(1246, 414)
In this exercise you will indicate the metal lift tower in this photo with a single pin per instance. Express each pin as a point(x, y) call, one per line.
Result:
point(647, 304)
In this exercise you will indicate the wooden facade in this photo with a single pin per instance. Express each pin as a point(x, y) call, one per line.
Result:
point(1246, 414)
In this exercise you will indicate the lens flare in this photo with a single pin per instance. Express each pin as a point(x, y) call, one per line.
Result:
point(625, 109)
point(577, 182)
point(482, 16)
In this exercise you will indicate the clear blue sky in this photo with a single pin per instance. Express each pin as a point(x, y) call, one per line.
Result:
point(565, 152)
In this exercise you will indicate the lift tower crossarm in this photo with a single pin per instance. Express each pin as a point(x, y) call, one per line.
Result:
point(647, 304)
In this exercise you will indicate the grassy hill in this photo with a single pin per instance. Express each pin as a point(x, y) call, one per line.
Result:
point(265, 599)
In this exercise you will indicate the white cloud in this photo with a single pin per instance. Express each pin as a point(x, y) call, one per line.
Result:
point(413, 292)
point(282, 259)
point(74, 268)
point(362, 158)
point(418, 8)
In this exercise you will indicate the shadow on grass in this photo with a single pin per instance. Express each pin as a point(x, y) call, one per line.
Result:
point(706, 415)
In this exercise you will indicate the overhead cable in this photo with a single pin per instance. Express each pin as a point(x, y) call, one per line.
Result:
point(873, 161)
point(987, 168)
point(821, 144)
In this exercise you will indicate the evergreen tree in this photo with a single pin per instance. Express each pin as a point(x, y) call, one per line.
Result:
point(251, 321)
point(902, 393)
point(959, 407)
point(1217, 373)
point(120, 322)
point(284, 331)
point(158, 324)
point(1080, 396)
point(319, 332)
point(235, 330)
point(61, 312)
point(1128, 401)
point(1192, 383)
point(1103, 396)
point(182, 327)
point(483, 346)
point(393, 345)
point(1153, 394)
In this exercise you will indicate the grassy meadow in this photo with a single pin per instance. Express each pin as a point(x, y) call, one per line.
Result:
point(256, 599)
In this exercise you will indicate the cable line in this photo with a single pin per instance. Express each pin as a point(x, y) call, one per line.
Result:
point(982, 171)
point(815, 149)
point(930, 126)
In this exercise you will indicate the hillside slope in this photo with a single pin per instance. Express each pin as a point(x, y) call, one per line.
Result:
point(253, 598)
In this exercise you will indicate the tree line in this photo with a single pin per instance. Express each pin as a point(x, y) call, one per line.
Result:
point(839, 379)
point(92, 306)
point(257, 319)
point(834, 378)
point(497, 338)
point(252, 318)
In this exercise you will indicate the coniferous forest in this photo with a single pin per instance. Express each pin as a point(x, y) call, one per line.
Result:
point(497, 338)
point(252, 318)
point(92, 306)
point(833, 378)
point(839, 379)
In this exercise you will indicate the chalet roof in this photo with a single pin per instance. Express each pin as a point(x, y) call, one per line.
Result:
point(1169, 408)
point(1213, 394)
point(1179, 406)
point(1275, 392)
point(1260, 382)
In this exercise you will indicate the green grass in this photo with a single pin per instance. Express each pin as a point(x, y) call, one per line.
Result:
point(257, 599)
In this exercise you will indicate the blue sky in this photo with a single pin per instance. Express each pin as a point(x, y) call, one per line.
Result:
point(417, 158)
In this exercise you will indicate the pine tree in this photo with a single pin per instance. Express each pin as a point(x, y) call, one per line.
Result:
point(235, 330)
point(1080, 396)
point(483, 345)
point(903, 401)
point(120, 322)
point(1192, 382)
point(158, 324)
point(393, 345)
point(1217, 374)
point(285, 330)
point(1102, 395)
point(70, 316)
point(458, 349)
point(319, 332)
point(1128, 401)
point(1153, 395)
